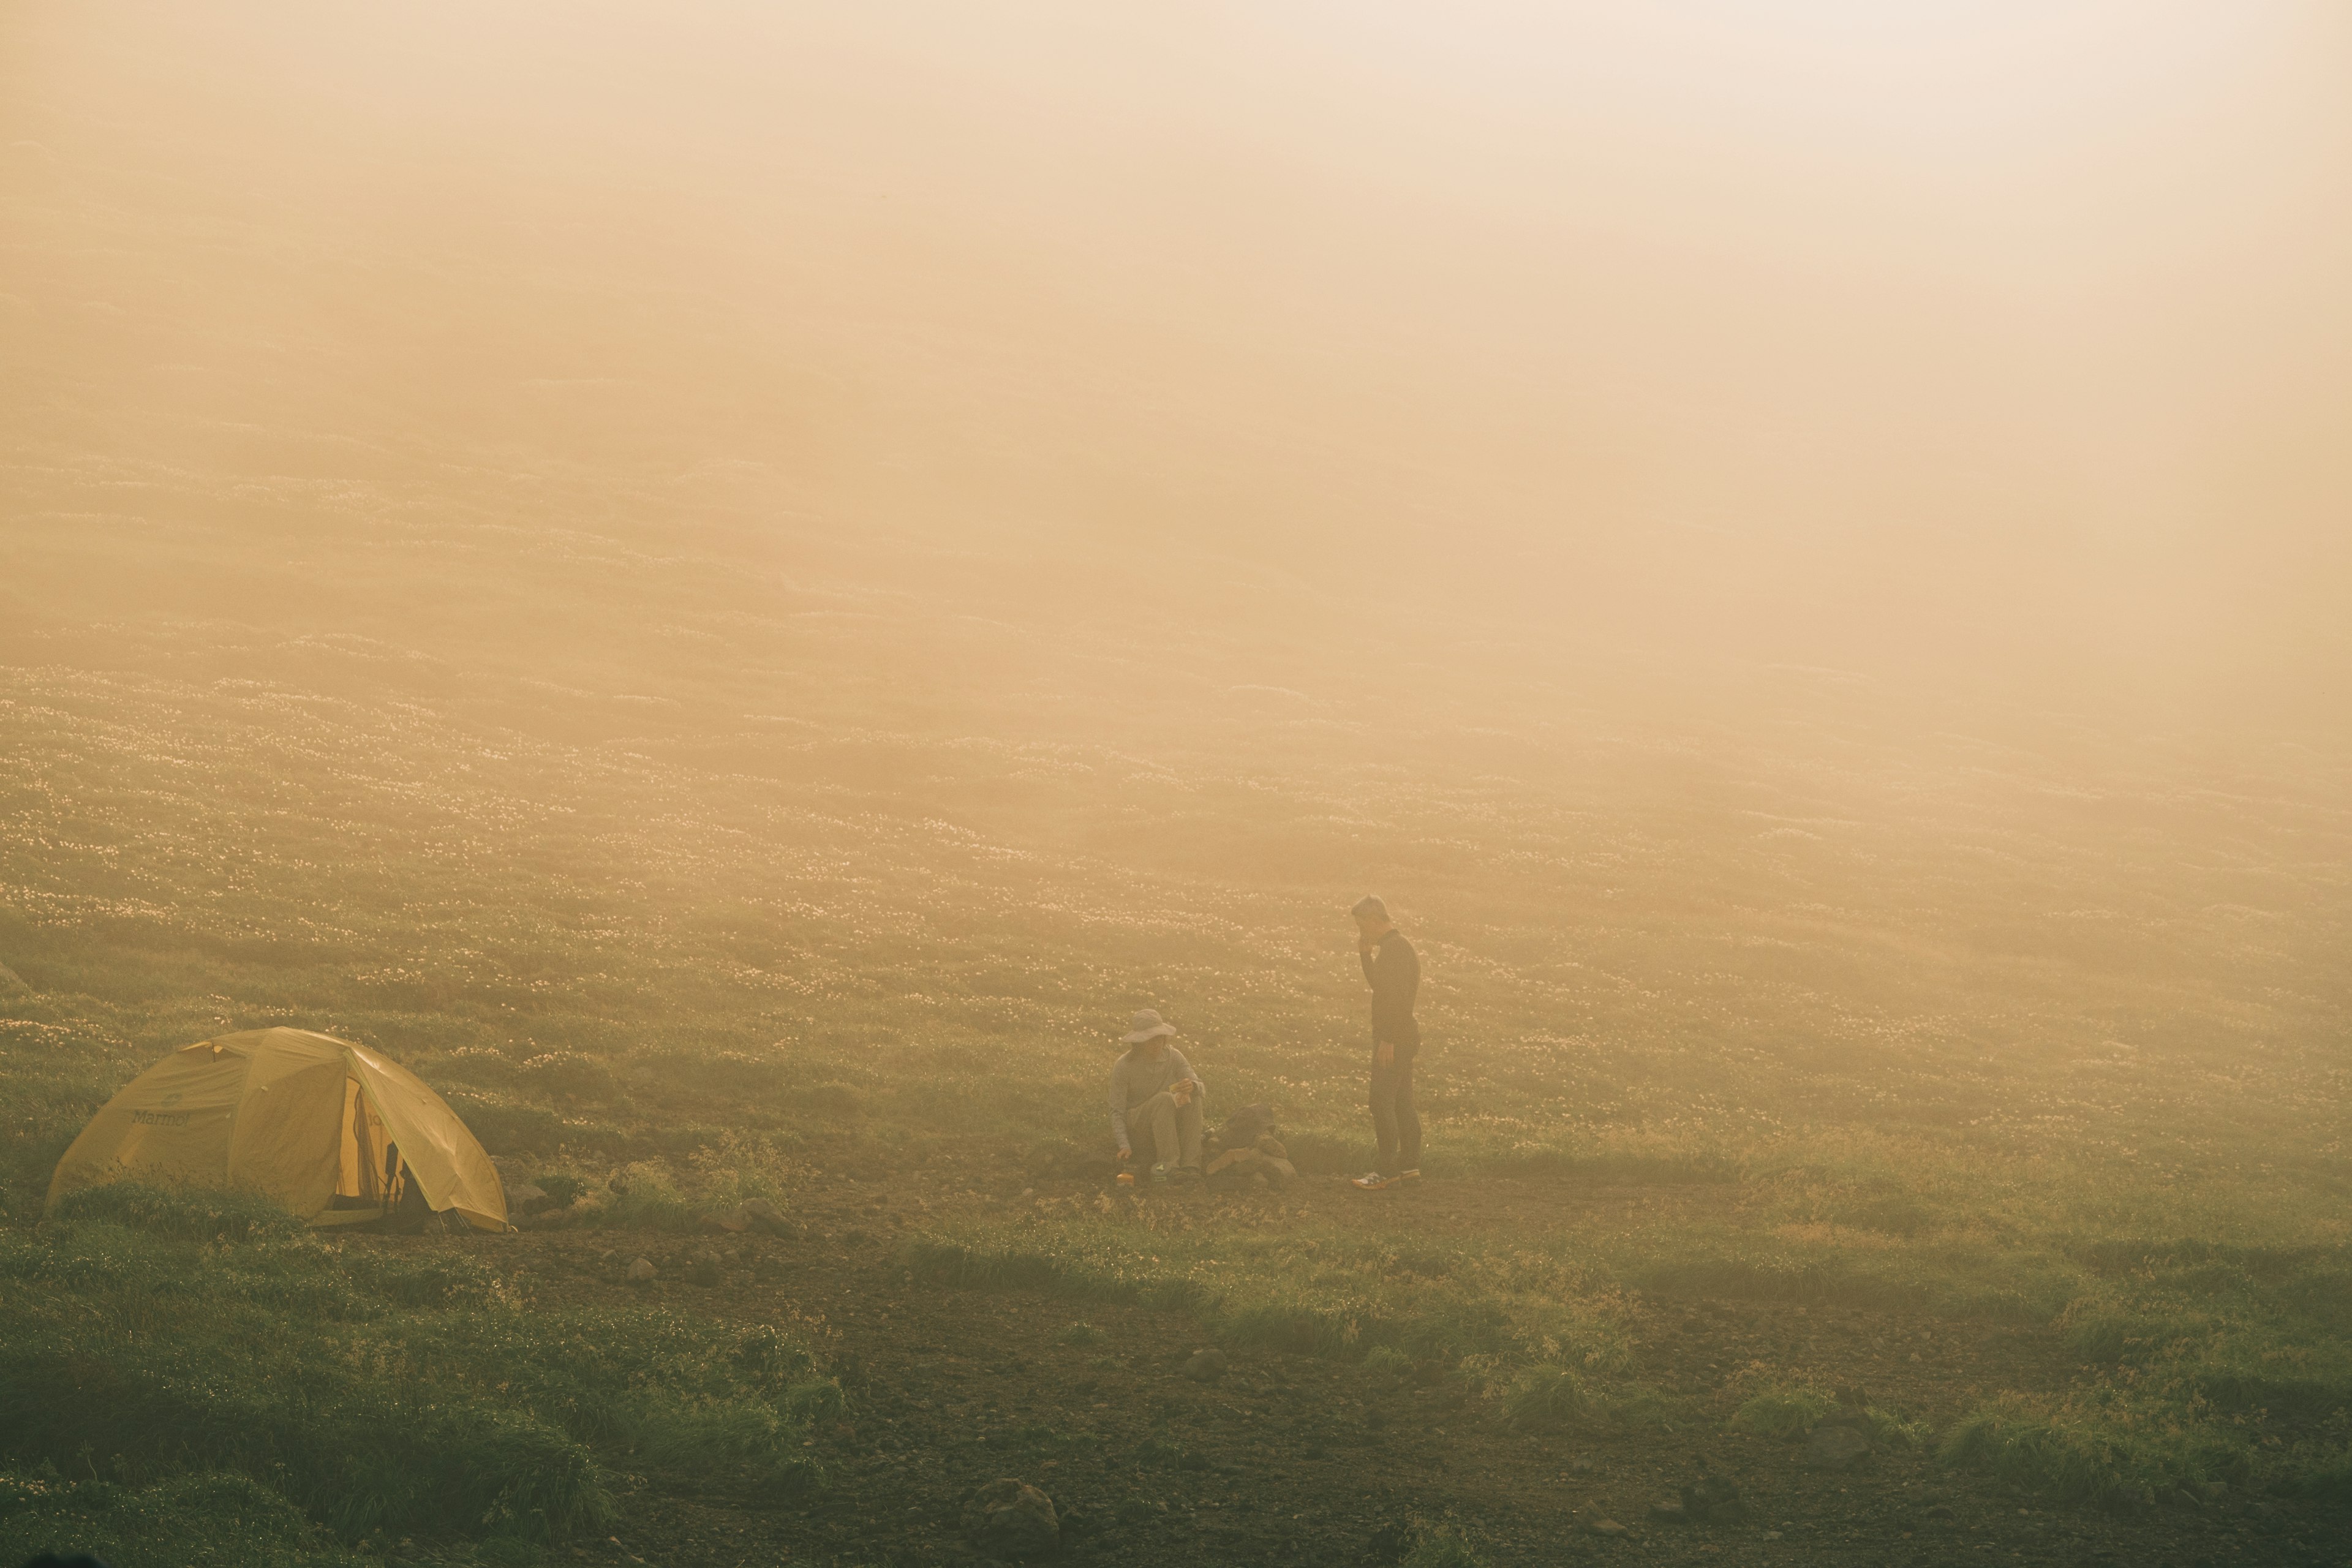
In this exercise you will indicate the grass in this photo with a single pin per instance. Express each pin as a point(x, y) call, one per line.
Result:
point(2205, 1361)
point(695, 821)
point(1545, 1396)
point(404, 1393)
point(1989, 1018)
point(1440, 1544)
point(194, 1521)
point(2104, 1448)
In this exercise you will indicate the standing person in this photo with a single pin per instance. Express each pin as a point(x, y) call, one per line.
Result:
point(1155, 1094)
point(1394, 971)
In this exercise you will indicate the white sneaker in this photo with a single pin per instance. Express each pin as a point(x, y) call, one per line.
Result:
point(1372, 1181)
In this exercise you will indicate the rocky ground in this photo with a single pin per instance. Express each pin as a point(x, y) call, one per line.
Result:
point(1152, 1453)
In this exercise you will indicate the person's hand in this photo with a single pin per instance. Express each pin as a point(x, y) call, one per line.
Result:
point(1363, 941)
point(1384, 1053)
point(1125, 1155)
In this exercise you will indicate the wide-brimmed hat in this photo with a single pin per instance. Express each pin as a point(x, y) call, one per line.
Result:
point(1149, 1026)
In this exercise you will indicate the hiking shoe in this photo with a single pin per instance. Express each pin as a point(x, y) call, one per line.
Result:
point(1159, 1176)
point(1373, 1182)
point(1412, 1176)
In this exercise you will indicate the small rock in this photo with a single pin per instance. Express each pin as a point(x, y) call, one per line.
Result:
point(1205, 1366)
point(1713, 1499)
point(1579, 1465)
point(703, 1269)
point(524, 1198)
point(734, 1221)
point(1833, 1445)
point(1668, 1513)
point(1608, 1527)
point(1007, 1518)
point(641, 1272)
point(761, 1215)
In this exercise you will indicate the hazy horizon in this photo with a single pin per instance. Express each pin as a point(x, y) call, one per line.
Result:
point(1999, 357)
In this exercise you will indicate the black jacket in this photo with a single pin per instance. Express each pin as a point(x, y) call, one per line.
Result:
point(1394, 971)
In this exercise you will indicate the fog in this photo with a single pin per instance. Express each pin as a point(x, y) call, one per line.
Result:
point(737, 585)
point(2000, 356)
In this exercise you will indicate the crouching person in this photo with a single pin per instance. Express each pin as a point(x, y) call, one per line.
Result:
point(1157, 1101)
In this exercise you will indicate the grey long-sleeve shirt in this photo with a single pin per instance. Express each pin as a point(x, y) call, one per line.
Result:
point(1132, 1082)
point(1393, 971)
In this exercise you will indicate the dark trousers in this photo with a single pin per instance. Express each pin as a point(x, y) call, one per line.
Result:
point(1396, 1126)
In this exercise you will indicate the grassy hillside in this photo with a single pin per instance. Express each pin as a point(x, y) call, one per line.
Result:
point(744, 690)
point(1992, 1031)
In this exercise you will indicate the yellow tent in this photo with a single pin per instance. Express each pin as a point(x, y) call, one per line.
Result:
point(307, 1120)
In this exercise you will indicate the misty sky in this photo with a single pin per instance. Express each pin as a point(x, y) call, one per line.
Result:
point(2009, 344)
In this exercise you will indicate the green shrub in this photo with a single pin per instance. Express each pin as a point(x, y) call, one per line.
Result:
point(402, 1390)
point(1781, 1412)
point(560, 1187)
point(771, 1358)
point(645, 1197)
point(2100, 1450)
point(1548, 1397)
point(206, 1517)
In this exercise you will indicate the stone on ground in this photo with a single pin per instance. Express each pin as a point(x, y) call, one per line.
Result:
point(641, 1272)
point(1206, 1367)
point(1008, 1518)
point(1715, 1500)
point(1835, 1444)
